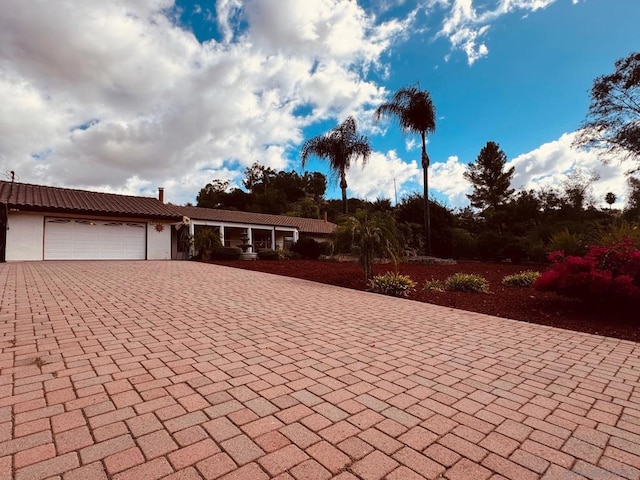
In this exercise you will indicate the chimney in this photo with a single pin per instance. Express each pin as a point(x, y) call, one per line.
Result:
point(161, 194)
point(325, 216)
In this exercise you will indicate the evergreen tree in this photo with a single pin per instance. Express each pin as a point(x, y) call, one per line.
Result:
point(490, 182)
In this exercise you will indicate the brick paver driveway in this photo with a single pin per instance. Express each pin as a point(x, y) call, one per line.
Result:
point(144, 370)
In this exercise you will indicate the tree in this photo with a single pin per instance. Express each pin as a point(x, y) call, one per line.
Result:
point(212, 195)
point(415, 113)
point(632, 210)
point(489, 180)
point(373, 236)
point(613, 120)
point(257, 175)
point(610, 198)
point(577, 188)
point(340, 147)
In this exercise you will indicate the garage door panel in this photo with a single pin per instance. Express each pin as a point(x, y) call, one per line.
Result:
point(79, 239)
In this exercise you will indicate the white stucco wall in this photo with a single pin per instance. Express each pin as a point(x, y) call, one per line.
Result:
point(158, 243)
point(25, 236)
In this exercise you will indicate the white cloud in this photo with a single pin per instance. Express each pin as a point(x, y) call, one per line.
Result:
point(466, 24)
point(115, 95)
point(549, 164)
point(446, 178)
point(544, 167)
point(376, 179)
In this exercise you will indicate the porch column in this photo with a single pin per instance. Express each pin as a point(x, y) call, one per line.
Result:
point(222, 234)
point(192, 229)
point(250, 239)
point(273, 238)
point(296, 236)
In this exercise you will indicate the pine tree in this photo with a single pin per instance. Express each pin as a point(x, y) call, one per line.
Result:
point(490, 183)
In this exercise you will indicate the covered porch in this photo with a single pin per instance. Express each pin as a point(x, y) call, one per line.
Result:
point(259, 236)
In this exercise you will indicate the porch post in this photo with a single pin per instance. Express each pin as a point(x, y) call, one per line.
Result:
point(250, 239)
point(273, 238)
point(222, 234)
point(192, 229)
point(296, 236)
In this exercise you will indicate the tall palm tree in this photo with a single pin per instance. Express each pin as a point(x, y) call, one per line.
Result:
point(415, 113)
point(339, 146)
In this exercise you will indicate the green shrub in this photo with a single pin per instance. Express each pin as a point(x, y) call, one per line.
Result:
point(515, 251)
point(490, 245)
point(525, 278)
point(225, 253)
point(205, 241)
point(433, 285)
point(268, 254)
point(567, 242)
point(467, 282)
point(326, 248)
point(392, 284)
point(463, 244)
point(307, 248)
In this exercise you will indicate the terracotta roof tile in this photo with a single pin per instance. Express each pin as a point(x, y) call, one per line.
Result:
point(54, 199)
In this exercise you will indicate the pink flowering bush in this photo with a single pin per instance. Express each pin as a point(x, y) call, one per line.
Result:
point(605, 274)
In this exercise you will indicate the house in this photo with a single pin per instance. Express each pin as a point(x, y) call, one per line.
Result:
point(49, 223)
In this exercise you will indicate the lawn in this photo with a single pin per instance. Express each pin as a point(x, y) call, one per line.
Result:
point(524, 304)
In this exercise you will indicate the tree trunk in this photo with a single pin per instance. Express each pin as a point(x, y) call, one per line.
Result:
point(343, 187)
point(425, 177)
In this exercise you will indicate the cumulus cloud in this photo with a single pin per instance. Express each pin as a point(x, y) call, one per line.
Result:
point(547, 166)
point(117, 96)
point(376, 179)
point(446, 178)
point(466, 22)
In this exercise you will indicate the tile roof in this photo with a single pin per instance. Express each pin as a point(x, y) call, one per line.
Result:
point(304, 225)
point(25, 196)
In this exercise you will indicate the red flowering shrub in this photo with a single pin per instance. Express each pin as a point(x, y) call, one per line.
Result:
point(606, 273)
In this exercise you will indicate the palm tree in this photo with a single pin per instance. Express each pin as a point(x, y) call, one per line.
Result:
point(339, 146)
point(374, 236)
point(415, 113)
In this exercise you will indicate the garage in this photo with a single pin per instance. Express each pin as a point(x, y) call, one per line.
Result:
point(83, 239)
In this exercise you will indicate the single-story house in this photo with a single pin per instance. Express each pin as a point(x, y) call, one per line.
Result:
point(49, 223)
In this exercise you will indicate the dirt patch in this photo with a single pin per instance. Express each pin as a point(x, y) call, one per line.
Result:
point(524, 304)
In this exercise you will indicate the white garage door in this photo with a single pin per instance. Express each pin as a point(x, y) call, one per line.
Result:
point(79, 239)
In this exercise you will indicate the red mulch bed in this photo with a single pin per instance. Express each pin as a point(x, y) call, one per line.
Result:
point(524, 304)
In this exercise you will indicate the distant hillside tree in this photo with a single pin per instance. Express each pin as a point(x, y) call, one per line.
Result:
point(610, 198)
point(489, 180)
point(613, 120)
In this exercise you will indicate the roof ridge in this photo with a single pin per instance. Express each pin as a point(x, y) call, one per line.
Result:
point(76, 190)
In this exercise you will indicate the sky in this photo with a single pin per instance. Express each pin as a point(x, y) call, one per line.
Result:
point(125, 96)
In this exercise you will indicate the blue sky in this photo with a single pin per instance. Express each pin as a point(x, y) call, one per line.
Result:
point(125, 98)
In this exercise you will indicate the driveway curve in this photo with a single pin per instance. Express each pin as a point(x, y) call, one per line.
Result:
point(180, 370)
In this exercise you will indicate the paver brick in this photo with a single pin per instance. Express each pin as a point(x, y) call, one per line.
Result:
point(156, 444)
point(465, 469)
point(248, 472)
point(242, 449)
point(310, 470)
point(193, 453)
point(282, 460)
point(153, 470)
point(49, 468)
point(374, 466)
point(418, 463)
point(93, 471)
point(329, 456)
point(216, 466)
